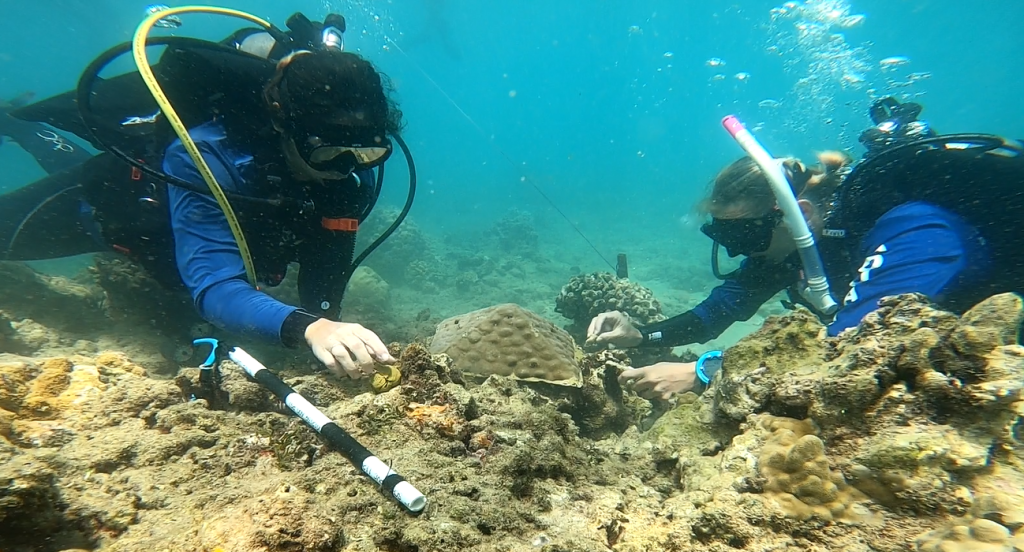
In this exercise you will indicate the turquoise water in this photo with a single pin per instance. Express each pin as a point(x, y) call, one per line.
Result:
point(610, 111)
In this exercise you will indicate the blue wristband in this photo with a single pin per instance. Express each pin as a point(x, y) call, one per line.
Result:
point(704, 378)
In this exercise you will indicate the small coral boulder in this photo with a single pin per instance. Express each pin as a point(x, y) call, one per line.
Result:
point(508, 340)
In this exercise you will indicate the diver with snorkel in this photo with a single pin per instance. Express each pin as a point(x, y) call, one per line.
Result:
point(220, 165)
point(939, 215)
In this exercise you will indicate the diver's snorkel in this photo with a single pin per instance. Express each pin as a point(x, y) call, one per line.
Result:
point(816, 292)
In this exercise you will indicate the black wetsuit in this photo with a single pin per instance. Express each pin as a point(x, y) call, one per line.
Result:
point(47, 220)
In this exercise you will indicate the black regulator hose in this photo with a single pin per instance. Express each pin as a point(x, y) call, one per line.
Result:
point(987, 142)
point(405, 210)
point(714, 264)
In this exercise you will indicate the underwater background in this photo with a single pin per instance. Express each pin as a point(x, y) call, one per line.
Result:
point(549, 139)
point(597, 125)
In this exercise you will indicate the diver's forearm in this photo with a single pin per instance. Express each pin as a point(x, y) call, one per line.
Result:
point(236, 306)
point(683, 329)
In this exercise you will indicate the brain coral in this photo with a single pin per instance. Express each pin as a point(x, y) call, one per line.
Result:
point(510, 341)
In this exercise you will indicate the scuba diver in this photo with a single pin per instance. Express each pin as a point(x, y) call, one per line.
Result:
point(51, 151)
point(294, 132)
point(942, 216)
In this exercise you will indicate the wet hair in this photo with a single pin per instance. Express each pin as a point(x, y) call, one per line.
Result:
point(311, 88)
point(743, 186)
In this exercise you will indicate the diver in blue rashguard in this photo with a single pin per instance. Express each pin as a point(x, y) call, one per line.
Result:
point(920, 213)
point(295, 131)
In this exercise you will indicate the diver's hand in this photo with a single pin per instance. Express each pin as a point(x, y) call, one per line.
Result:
point(346, 348)
point(613, 328)
point(661, 380)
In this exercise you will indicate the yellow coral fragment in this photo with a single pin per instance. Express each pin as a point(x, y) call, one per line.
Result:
point(385, 379)
point(41, 402)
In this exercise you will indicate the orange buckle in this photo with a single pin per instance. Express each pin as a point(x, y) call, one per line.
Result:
point(340, 224)
point(136, 173)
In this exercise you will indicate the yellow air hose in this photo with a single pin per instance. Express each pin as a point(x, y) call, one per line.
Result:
point(142, 62)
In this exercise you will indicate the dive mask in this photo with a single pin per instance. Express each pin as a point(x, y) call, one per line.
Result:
point(743, 236)
point(344, 151)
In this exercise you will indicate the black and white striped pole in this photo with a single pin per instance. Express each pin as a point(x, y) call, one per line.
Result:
point(336, 437)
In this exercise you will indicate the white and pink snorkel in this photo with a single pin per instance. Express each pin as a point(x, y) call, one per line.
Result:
point(816, 290)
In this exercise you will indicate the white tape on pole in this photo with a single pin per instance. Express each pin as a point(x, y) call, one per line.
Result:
point(305, 410)
point(246, 361)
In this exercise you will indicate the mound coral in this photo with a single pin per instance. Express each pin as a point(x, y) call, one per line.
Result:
point(508, 340)
point(587, 295)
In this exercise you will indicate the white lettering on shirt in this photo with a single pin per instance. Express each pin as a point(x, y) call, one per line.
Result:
point(872, 262)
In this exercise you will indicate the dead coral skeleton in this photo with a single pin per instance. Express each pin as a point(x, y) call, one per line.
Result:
point(613, 531)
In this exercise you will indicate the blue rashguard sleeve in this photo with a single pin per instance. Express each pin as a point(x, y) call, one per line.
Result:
point(208, 259)
point(914, 248)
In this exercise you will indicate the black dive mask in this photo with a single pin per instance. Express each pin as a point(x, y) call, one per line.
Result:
point(343, 150)
point(743, 236)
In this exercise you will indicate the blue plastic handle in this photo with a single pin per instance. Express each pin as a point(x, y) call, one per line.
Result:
point(211, 359)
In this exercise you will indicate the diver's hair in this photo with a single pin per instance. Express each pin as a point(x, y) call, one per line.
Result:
point(743, 186)
point(312, 84)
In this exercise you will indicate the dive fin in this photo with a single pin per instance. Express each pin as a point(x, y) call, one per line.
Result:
point(21, 99)
point(115, 99)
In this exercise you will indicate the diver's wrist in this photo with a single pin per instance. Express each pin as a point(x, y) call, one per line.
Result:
point(707, 366)
point(293, 330)
point(650, 338)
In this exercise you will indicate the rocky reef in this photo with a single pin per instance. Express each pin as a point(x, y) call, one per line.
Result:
point(102, 308)
point(516, 234)
point(406, 257)
point(902, 434)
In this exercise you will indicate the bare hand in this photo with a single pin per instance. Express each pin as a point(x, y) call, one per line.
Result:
point(613, 328)
point(346, 348)
point(661, 380)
